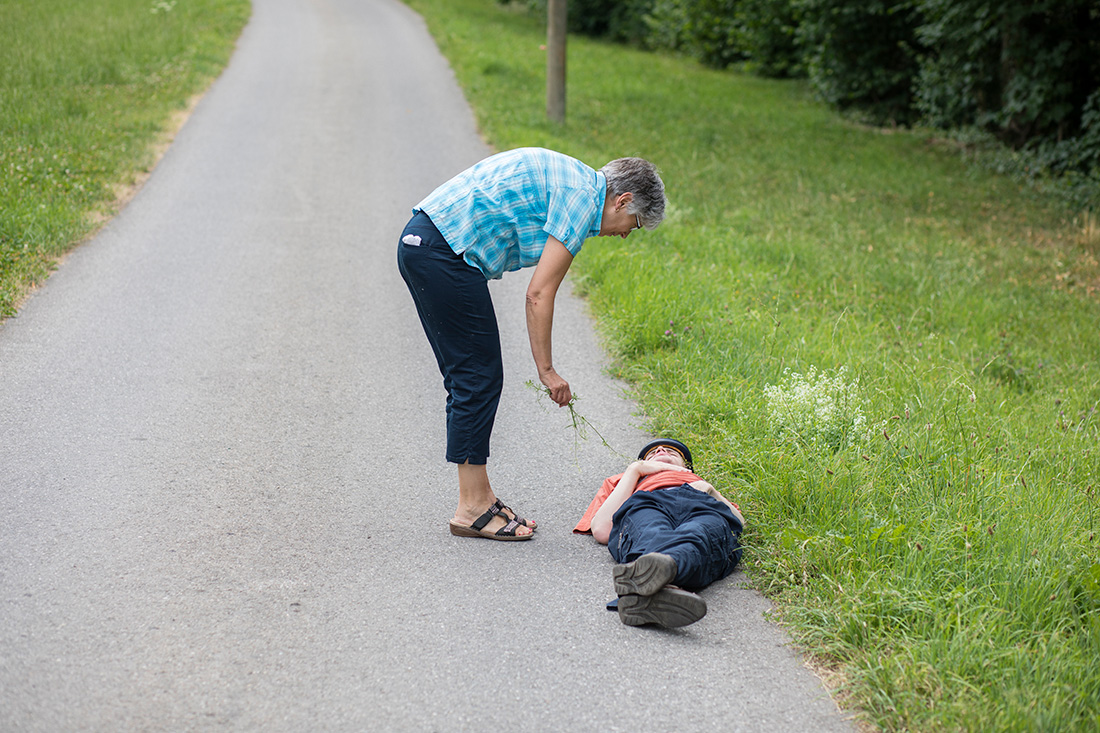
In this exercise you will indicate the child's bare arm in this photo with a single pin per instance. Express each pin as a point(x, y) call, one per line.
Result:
point(601, 522)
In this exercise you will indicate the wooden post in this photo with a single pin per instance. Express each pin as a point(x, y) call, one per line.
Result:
point(556, 19)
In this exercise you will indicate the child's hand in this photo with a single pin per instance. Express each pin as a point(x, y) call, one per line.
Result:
point(645, 468)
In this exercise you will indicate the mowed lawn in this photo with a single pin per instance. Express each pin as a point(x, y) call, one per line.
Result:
point(889, 359)
point(90, 90)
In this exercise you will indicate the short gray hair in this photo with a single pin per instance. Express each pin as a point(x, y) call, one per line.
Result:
point(641, 178)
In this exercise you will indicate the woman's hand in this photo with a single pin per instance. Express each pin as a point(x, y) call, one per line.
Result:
point(559, 388)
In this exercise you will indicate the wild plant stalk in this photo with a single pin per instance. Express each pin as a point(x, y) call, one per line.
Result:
point(579, 423)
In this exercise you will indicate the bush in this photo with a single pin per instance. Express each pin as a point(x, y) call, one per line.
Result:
point(666, 24)
point(708, 30)
point(717, 32)
point(863, 55)
point(1023, 70)
point(723, 32)
point(1027, 72)
point(712, 32)
point(617, 20)
point(768, 37)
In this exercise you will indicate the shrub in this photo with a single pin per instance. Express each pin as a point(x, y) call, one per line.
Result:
point(768, 37)
point(617, 20)
point(1027, 72)
point(863, 55)
point(666, 24)
point(1023, 70)
point(712, 32)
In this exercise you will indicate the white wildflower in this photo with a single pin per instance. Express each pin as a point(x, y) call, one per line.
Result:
point(816, 409)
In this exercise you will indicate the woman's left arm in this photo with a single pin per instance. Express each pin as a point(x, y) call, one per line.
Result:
point(549, 273)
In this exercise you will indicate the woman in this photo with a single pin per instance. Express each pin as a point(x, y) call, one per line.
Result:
point(528, 207)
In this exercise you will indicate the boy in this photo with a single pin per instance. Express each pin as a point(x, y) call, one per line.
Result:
point(669, 531)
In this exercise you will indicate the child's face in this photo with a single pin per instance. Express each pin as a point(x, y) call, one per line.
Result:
point(665, 454)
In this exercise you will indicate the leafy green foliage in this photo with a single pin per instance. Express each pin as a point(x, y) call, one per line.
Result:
point(617, 20)
point(712, 32)
point(769, 37)
point(1026, 73)
point(1024, 70)
point(717, 32)
point(863, 55)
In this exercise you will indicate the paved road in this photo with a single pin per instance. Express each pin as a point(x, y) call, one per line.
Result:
point(223, 502)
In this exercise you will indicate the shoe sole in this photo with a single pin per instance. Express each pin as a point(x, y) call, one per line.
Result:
point(645, 576)
point(459, 530)
point(670, 608)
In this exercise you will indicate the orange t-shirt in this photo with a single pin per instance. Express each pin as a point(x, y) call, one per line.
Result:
point(652, 482)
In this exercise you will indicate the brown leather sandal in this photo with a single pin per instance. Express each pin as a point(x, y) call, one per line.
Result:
point(477, 529)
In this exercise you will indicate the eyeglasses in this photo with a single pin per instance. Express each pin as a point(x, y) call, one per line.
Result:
point(666, 448)
point(639, 221)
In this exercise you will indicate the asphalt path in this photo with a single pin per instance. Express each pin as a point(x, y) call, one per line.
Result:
point(223, 498)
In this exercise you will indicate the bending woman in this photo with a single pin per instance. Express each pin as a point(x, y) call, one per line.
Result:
point(528, 207)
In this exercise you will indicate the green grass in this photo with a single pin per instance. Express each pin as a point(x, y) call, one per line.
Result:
point(87, 88)
point(944, 564)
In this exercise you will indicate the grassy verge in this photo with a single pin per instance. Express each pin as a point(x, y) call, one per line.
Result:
point(86, 89)
point(888, 358)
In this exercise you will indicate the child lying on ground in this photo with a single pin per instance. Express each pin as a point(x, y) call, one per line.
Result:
point(669, 531)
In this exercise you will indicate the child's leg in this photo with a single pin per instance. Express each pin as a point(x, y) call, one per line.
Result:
point(697, 531)
point(639, 526)
point(705, 550)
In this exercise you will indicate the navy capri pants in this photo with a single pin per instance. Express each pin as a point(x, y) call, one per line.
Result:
point(694, 528)
point(452, 299)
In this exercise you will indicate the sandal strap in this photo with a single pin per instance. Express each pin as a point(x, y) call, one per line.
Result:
point(508, 530)
point(487, 517)
point(501, 507)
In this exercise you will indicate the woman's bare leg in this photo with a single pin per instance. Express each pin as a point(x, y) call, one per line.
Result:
point(475, 495)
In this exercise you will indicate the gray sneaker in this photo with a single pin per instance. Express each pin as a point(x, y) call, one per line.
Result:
point(669, 607)
point(645, 576)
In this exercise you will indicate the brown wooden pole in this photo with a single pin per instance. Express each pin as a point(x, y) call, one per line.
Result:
point(556, 19)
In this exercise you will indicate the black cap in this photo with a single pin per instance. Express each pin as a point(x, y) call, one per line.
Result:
point(675, 444)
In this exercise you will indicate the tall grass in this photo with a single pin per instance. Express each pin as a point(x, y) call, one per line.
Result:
point(942, 559)
point(86, 88)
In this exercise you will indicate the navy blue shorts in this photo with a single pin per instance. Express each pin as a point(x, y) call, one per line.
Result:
point(452, 299)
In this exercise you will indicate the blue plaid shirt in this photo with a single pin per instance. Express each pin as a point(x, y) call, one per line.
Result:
point(498, 213)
